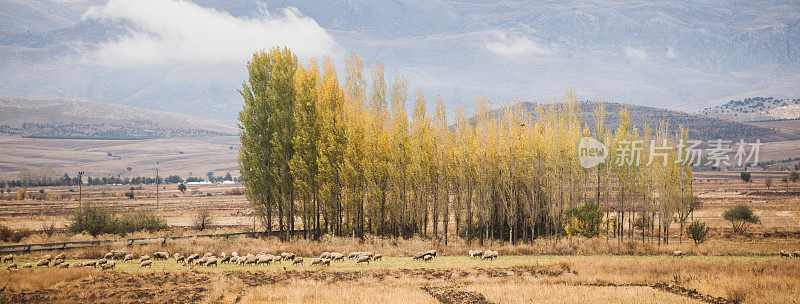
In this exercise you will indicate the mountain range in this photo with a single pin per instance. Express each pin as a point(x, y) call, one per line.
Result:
point(680, 55)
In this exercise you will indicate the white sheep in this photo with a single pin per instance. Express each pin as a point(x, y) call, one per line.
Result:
point(146, 263)
point(362, 259)
point(8, 258)
point(107, 265)
point(677, 253)
point(297, 260)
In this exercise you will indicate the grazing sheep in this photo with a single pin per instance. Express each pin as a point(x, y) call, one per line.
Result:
point(234, 254)
point(180, 258)
point(76, 265)
point(61, 257)
point(797, 254)
point(26, 265)
point(487, 255)
point(160, 255)
point(47, 257)
point(427, 258)
point(297, 260)
point(63, 265)
point(208, 254)
point(475, 254)
point(176, 255)
point(785, 253)
point(264, 260)
point(377, 257)
point(109, 256)
point(677, 253)
point(432, 253)
point(240, 260)
point(101, 262)
point(495, 254)
point(144, 257)
point(146, 263)
point(118, 254)
point(276, 259)
point(107, 265)
point(287, 256)
point(43, 263)
point(336, 256)
point(226, 259)
point(419, 255)
point(250, 260)
point(321, 261)
point(57, 262)
point(8, 258)
point(362, 259)
point(352, 255)
point(325, 255)
point(211, 261)
point(12, 266)
point(192, 257)
point(89, 263)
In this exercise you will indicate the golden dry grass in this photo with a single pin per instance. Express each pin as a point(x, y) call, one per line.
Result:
point(746, 279)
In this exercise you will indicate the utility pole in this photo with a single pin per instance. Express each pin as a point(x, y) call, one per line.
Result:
point(157, 185)
point(80, 189)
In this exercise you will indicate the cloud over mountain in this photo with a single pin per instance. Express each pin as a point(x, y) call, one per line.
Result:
point(175, 31)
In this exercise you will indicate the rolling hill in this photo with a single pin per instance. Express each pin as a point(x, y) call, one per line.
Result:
point(698, 127)
point(756, 109)
point(80, 119)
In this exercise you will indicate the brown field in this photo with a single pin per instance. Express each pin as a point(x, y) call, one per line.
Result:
point(726, 269)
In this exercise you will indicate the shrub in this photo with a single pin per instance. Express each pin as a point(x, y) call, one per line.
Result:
point(745, 176)
point(11, 235)
point(698, 232)
point(97, 220)
point(130, 195)
point(21, 193)
point(182, 188)
point(141, 220)
point(741, 217)
point(234, 191)
point(793, 176)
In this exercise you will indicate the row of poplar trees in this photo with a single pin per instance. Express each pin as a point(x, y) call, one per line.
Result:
point(327, 157)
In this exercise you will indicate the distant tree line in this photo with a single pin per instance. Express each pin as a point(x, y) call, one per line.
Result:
point(46, 177)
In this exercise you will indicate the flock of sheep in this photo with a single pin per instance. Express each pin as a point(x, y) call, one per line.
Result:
point(110, 259)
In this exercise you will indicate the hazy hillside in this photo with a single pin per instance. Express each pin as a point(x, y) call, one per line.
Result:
point(699, 127)
point(64, 118)
point(679, 55)
point(756, 109)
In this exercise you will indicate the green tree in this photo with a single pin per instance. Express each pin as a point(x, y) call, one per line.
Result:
point(698, 232)
point(182, 188)
point(267, 130)
point(745, 176)
point(741, 217)
point(306, 140)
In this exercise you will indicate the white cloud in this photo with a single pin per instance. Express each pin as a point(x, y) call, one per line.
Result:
point(635, 54)
point(509, 45)
point(177, 31)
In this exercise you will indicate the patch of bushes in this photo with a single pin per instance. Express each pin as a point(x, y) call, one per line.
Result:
point(97, 220)
point(12, 235)
point(698, 232)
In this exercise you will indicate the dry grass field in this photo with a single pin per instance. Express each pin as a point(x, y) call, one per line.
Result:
point(726, 269)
